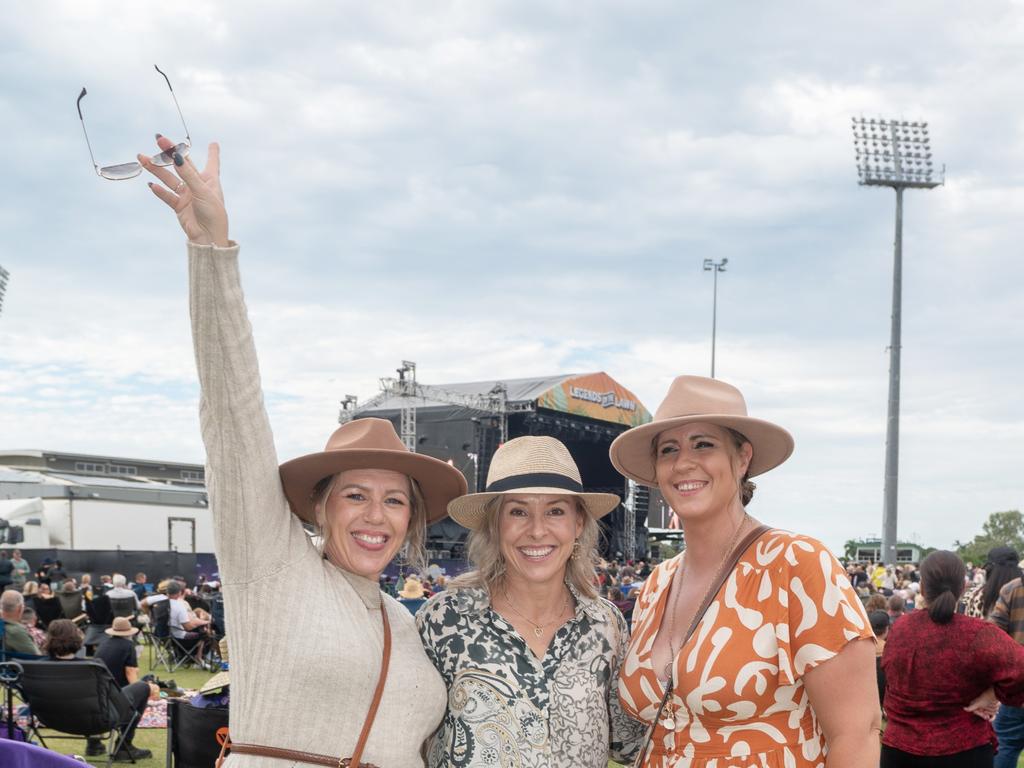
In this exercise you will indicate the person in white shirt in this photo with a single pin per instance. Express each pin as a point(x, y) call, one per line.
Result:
point(186, 628)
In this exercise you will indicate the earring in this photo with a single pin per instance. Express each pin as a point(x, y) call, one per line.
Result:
point(575, 550)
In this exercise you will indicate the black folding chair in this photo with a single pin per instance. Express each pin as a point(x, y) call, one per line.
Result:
point(78, 698)
point(167, 650)
point(47, 609)
point(71, 606)
point(192, 734)
point(122, 606)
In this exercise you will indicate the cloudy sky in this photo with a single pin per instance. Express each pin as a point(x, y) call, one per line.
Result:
point(507, 189)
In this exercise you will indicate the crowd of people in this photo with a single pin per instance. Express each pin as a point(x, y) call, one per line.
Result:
point(53, 615)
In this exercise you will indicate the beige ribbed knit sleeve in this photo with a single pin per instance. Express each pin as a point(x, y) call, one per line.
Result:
point(255, 533)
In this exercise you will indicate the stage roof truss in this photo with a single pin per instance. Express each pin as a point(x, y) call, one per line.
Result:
point(412, 394)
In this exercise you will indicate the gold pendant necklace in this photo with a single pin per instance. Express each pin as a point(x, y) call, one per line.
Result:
point(538, 629)
point(668, 717)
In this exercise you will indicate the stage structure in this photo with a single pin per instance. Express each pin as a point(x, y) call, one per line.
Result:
point(465, 423)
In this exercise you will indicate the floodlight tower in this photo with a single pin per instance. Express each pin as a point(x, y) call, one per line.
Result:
point(896, 154)
point(4, 274)
point(714, 267)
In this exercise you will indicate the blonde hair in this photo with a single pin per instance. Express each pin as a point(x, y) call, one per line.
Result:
point(484, 553)
point(413, 551)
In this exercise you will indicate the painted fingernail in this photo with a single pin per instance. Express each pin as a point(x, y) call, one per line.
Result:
point(149, 184)
point(159, 136)
point(178, 159)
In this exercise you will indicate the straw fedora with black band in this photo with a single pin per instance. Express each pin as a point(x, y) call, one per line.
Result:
point(693, 399)
point(529, 465)
point(369, 444)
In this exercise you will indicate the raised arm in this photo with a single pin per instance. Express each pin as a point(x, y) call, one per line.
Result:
point(255, 535)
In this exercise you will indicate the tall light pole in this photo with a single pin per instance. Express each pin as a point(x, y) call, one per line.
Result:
point(896, 154)
point(4, 274)
point(714, 267)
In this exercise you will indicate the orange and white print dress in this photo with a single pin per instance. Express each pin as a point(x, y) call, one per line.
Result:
point(739, 699)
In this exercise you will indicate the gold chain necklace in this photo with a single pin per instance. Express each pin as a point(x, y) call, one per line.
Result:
point(538, 629)
point(669, 719)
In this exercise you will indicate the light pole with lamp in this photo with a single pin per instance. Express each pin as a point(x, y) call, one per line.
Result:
point(714, 267)
point(897, 154)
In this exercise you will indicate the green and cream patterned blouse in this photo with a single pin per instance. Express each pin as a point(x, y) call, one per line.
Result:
point(509, 709)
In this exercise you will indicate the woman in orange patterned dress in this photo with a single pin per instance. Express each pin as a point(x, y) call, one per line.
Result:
point(780, 670)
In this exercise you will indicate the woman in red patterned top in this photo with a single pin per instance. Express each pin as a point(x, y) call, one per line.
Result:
point(938, 666)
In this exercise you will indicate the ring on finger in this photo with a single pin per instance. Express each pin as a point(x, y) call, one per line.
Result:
point(181, 186)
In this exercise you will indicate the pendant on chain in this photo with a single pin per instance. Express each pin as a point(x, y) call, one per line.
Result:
point(538, 631)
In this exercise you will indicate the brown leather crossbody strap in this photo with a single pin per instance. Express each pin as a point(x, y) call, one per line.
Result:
point(313, 758)
point(295, 755)
point(368, 723)
point(723, 575)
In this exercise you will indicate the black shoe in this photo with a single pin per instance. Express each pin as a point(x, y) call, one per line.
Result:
point(128, 752)
point(94, 747)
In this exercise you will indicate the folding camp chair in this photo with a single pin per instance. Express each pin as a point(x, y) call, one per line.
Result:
point(122, 606)
point(78, 698)
point(192, 734)
point(165, 648)
point(71, 606)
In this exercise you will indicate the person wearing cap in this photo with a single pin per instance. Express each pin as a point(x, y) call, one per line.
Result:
point(304, 685)
point(756, 680)
point(529, 652)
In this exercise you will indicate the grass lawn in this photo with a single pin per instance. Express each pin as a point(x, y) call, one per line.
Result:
point(153, 739)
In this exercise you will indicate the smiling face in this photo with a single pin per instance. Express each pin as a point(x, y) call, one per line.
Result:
point(699, 469)
point(536, 534)
point(366, 517)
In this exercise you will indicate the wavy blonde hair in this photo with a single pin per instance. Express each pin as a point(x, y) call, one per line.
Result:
point(413, 550)
point(484, 553)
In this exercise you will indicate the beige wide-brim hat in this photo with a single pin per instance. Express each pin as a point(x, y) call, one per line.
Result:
point(530, 465)
point(122, 627)
point(370, 444)
point(412, 589)
point(221, 679)
point(698, 399)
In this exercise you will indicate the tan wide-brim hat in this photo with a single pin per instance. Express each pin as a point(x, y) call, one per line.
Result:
point(122, 627)
point(692, 399)
point(530, 465)
point(370, 444)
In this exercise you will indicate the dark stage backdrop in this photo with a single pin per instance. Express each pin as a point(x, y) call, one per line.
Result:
point(156, 565)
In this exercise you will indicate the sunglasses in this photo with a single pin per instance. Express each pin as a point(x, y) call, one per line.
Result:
point(133, 169)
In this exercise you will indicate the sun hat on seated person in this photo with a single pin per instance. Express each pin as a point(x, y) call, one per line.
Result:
point(369, 444)
point(223, 678)
point(694, 399)
point(530, 465)
point(122, 627)
point(412, 589)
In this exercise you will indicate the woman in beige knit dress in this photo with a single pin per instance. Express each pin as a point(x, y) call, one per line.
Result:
point(305, 683)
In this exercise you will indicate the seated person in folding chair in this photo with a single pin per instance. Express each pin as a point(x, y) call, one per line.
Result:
point(15, 636)
point(63, 643)
point(120, 590)
point(188, 630)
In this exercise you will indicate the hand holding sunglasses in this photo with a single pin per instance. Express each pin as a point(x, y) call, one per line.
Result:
point(195, 196)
